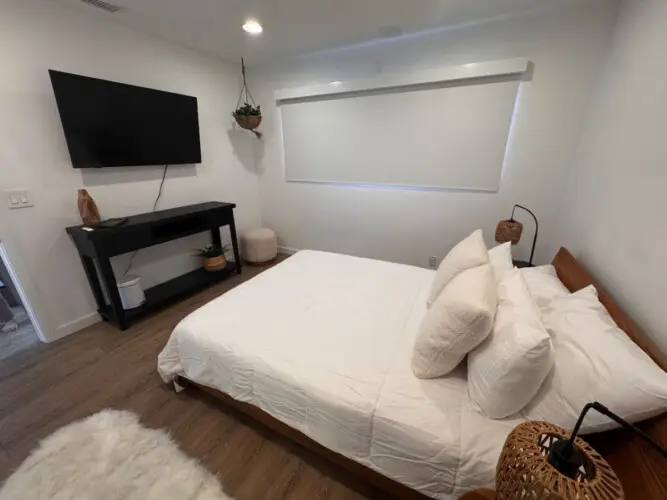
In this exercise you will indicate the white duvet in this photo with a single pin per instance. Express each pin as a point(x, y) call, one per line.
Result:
point(322, 342)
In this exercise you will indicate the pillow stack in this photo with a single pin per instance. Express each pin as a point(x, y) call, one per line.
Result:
point(500, 258)
point(462, 306)
point(480, 307)
point(459, 319)
point(595, 361)
point(544, 285)
point(534, 349)
point(469, 253)
point(508, 368)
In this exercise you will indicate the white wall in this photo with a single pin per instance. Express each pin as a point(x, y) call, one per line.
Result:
point(36, 35)
point(406, 225)
point(614, 213)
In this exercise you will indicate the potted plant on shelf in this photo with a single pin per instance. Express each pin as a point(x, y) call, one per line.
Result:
point(214, 257)
point(249, 117)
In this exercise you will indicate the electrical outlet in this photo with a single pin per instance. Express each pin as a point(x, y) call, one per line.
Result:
point(432, 262)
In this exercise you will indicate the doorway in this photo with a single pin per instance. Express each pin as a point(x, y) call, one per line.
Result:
point(17, 331)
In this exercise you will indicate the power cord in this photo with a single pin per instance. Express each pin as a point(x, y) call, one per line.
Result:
point(159, 195)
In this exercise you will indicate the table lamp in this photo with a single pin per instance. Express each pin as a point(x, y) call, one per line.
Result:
point(542, 461)
point(511, 230)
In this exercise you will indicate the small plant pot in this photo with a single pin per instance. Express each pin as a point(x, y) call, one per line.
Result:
point(249, 122)
point(213, 264)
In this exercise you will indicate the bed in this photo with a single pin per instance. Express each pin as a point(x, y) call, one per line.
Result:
point(318, 348)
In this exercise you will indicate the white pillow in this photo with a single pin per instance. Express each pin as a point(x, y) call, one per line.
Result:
point(461, 318)
point(469, 253)
point(595, 361)
point(508, 368)
point(544, 284)
point(500, 258)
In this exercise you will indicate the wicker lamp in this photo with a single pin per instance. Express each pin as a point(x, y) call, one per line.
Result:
point(511, 230)
point(542, 461)
point(524, 470)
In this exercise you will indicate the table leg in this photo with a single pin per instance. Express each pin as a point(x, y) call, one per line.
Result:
point(93, 280)
point(109, 281)
point(235, 244)
point(216, 241)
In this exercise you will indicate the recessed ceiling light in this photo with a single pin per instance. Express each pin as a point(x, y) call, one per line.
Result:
point(253, 27)
point(335, 82)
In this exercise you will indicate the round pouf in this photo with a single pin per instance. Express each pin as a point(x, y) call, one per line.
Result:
point(259, 245)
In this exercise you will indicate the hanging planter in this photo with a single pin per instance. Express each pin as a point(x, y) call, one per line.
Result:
point(249, 115)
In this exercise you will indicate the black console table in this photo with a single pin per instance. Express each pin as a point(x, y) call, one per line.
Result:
point(97, 246)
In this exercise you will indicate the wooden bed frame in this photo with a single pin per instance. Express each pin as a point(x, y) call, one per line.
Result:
point(643, 473)
point(641, 470)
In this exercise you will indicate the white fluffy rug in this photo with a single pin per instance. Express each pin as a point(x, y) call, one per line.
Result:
point(110, 456)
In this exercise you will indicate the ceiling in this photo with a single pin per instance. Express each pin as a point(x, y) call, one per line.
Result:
point(297, 26)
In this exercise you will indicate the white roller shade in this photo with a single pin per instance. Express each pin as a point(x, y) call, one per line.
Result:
point(439, 135)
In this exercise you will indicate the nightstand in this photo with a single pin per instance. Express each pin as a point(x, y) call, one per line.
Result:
point(480, 494)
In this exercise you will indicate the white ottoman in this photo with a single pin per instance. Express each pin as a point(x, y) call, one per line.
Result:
point(259, 245)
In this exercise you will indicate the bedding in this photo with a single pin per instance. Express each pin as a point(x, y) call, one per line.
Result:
point(500, 258)
point(544, 285)
point(595, 361)
point(508, 368)
point(468, 253)
point(457, 322)
point(323, 343)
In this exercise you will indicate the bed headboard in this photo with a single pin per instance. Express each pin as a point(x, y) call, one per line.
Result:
point(642, 471)
point(575, 277)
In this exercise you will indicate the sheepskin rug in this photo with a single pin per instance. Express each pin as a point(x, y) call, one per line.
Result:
point(110, 456)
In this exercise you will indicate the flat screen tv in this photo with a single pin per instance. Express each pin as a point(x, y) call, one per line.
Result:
point(110, 124)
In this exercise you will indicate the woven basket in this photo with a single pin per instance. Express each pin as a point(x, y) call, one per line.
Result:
point(213, 264)
point(509, 230)
point(524, 471)
point(249, 122)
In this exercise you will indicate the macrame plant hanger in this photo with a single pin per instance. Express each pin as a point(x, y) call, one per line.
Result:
point(248, 122)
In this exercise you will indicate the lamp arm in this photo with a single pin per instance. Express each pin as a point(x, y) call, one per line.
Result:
point(600, 408)
point(537, 227)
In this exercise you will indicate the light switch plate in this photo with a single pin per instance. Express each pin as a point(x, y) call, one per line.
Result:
point(19, 198)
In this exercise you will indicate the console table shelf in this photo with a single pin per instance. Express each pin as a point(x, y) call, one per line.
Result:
point(97, 246)
point(166, 293)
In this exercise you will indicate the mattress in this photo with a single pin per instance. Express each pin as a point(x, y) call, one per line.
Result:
point(322, 342)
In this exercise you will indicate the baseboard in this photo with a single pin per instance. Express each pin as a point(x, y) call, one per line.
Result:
point(287, 250)
point(74, 326)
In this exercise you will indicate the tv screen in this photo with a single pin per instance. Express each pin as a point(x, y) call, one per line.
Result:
point(110, 124)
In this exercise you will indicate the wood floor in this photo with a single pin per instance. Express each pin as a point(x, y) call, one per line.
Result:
point(51, 385)
point(24, 337)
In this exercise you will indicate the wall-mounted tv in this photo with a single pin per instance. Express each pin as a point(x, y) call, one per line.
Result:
point(110, 124)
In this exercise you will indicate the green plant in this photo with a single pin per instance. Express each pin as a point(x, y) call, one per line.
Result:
point(247, 110)
point(210, 251)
